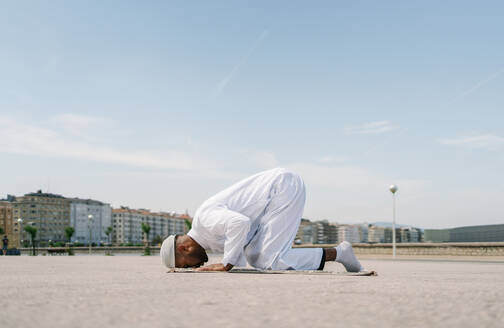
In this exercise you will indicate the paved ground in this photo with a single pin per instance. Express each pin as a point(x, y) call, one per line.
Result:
point(135, 291)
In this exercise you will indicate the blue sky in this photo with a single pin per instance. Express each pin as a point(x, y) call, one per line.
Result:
point(160, 104)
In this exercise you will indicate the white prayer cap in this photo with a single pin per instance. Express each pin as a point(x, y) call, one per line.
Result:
point(167, 251)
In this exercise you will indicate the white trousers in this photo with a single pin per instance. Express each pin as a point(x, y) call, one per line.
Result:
point(271, 246)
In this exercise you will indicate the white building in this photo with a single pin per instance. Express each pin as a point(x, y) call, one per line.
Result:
point(349, 233)
point(363, 232)
point(376, 234)
point(86, 227)
point(127, 225)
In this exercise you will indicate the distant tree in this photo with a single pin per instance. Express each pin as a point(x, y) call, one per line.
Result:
point(69, 231)
point(146, 229)
point(108, 232)
point(157, 240)
point(188, 224)
point(32, 231)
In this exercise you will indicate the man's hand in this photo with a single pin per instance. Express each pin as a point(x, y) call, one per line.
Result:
point(215, 267)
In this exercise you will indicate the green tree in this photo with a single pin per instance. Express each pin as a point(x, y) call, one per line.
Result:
point(157, 240)
point(69, 231)
point(32, 231)
point(146, 229)
point(188, 224)
point(108, 232)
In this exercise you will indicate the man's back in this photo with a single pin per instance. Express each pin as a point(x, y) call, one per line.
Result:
point(248, 196)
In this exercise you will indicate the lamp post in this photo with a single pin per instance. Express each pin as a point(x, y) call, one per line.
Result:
point(90, 222)
point(20, 228)
point(393, 189)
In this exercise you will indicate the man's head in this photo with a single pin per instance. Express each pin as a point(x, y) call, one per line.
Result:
point(182, 251)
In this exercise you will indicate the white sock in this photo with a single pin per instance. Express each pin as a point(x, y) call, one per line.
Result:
point(346, 256)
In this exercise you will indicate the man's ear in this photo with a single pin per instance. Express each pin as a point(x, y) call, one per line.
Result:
point(181, 248)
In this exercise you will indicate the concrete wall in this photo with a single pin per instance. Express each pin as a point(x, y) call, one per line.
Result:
point(447, 249)
point(406, 249)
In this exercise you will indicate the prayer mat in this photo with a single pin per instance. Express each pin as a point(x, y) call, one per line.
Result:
point(257, 271)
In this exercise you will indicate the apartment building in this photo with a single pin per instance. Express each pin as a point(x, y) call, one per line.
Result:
point(127, 224)
point(348, 232)
point(49, 213)
point(305, 233)
point(376, 234)
point(7, 224)
point(325, 232)
point(90, 219)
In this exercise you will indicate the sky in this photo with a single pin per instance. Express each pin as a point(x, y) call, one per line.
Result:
point(159, 105)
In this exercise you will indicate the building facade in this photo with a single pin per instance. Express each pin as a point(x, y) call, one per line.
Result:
point(389, 235)
point(410, 235)
point(348, 232)
point(127, 225)
point(325, 232)
point(49, 213)
point(305, 233)
point(482, 233)
point(363, 232)
point(90, 219)
point(7, 224)
point(376, 234)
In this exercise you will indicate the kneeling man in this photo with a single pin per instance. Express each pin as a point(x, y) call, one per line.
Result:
point(254, 221)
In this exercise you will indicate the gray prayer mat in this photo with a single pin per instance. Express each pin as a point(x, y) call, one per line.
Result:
point(257, 271)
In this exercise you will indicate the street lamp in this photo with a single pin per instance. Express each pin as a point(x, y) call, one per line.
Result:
point(20, 227)
point(393, 190)
point(90, 222)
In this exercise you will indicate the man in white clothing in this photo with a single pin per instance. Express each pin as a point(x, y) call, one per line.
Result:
point(254, 221)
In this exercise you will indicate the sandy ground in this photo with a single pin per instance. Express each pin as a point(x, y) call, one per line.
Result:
point(135, 291)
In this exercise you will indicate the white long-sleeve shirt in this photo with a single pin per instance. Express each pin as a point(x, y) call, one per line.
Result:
point(227, 221)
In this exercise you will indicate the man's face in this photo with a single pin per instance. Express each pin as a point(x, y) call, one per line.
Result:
point(191, 257)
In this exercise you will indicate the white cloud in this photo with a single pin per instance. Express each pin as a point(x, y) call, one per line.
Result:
point(78, 120)
point(376, 127)
point(344, 191)
point(37, 139)
point(479, 141)
point(352, 178)
point(355, 194)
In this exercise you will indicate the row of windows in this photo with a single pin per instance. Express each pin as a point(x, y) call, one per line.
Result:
point(53, 207)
